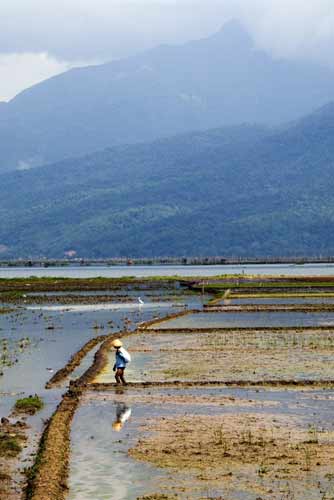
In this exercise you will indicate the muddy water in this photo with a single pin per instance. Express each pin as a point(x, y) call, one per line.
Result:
point(251, 319)
point(102, 469)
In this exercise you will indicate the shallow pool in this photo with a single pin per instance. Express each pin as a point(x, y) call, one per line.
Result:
point(249, 319)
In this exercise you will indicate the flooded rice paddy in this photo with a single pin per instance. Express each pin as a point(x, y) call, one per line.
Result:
point(203, 443)
point(38, 340)
point(235, 405)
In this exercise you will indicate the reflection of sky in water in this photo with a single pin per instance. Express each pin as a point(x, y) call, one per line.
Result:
point(105, 307)
point(252, 319)
point(100, 468)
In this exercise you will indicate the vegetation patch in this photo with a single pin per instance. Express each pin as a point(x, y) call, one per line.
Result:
point(221, 308)
point(6, 310)
point(29, 405)
point(280, 295)
point(9, 445)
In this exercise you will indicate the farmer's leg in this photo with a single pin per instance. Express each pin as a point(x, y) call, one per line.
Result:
point(118, 375)
point(122, 376)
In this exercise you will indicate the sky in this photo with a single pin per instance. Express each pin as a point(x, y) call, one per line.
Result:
point(41, 38)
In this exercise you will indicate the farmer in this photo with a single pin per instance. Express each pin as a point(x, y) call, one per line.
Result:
point(122, 358)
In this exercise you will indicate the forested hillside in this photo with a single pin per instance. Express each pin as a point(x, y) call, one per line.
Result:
point(242, 190)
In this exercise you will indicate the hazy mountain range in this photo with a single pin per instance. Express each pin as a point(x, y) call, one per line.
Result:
point(243, 190)
point(219, 81)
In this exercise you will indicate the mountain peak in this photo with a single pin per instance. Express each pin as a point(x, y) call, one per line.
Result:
point(234, 33)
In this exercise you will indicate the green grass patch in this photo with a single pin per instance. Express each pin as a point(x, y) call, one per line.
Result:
point(268, 284)
point(6, 310)
point(30, 404)
point(281, 295)
point(10, 296)
point(9, 446)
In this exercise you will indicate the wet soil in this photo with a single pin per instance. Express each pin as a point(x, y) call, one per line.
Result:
point(255, 356)
point(250, 452)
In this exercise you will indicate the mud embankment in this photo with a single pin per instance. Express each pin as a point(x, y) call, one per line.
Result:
point(83, 284)
point(74, 362)
point(155, 321)
point(71, 299)
point(245, 329)
point(47, 479)
point(100, 360)
point(286, 384)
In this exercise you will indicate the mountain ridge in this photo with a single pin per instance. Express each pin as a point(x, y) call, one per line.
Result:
point(218, 81)
point(247, 190)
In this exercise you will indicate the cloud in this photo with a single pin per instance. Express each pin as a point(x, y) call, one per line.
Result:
point(292, 28)
point(39, 38)
point(106, 29)
point(21, 70)
point(103, 29)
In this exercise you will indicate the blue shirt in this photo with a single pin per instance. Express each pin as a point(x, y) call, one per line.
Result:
point(120, 360)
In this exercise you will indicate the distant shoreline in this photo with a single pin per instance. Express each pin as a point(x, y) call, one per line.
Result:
point(165, 261)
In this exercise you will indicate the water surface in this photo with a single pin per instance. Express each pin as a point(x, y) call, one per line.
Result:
point(147, 271)
point(249, 319)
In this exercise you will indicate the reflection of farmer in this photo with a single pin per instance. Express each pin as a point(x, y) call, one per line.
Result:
point(122, 358)
point(123, 413)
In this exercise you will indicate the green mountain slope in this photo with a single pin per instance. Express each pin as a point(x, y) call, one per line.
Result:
point(232, 191)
